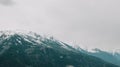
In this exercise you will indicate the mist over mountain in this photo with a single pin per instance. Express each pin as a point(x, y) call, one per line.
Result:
point(111, 57)
point(107, 56)
point(33, 50)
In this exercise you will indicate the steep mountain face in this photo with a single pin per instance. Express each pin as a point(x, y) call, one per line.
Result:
point(33, 50)
point(106, 56)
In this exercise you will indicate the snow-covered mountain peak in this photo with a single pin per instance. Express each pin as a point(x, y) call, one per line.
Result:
point(27, 36)
point(35, 39)
point(8, 33)
point(117, 51)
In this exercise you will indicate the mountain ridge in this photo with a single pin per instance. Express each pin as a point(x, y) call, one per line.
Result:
point(25, 50)
point(112, 57)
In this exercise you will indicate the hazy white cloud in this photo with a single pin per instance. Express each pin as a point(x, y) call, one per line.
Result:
point(6, 2)
point(93, 23)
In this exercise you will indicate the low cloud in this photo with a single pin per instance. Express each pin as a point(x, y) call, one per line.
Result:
point(6, 2)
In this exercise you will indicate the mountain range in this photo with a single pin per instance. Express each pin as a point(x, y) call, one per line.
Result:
point(18, 49)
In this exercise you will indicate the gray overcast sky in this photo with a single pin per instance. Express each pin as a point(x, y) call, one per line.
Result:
point(89, 23)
